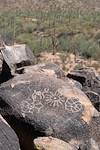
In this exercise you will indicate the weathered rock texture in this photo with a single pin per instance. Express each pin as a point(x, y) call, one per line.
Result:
point(95, 130)
point(48, 68)
point(90, 83)
point(50, 106)
point(8, 138)
point(17, 56)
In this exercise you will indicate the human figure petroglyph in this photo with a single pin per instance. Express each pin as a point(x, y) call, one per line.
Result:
point(54, 99)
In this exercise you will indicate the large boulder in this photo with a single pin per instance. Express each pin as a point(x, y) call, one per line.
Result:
point(51, 106)
point(50, 68)
point(8, 138)
point(94, 98)
point(17, 56)
point(87, 77)
point(90, 83)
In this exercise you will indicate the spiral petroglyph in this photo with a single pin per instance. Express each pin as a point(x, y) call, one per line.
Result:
point(54, 99)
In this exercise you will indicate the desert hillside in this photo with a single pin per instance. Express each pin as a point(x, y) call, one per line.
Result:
point(46, 4)
point(53, 25)
point(49, 74)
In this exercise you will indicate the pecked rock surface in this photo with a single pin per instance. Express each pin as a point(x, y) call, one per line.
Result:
point(49, 105)
point(90, 82)
point(8, 138)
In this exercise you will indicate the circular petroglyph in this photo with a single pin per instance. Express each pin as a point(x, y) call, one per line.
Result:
point(52, 99)
point(73, 105)
point(55, 99)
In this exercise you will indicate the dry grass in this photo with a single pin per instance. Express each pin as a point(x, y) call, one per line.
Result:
point(68, 61)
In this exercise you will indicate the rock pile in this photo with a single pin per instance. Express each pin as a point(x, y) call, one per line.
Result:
point(90, 84)
point(40, 101)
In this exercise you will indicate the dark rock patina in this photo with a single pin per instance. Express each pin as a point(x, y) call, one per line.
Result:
point(50, 105)
point(90, 83)
point(8, 138)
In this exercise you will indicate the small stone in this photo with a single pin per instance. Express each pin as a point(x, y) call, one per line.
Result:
point(50, 143)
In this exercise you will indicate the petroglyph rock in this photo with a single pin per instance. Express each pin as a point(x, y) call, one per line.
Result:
point(52, 106)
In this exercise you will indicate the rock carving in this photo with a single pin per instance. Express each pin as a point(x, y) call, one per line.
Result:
point(41, 99)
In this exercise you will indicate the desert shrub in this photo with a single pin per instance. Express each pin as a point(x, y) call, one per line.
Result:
point(17, 26)
point(97, 35)
point(46, 44)
point(65, 44)
point(28, 28)
point(36, 44)
point(87, 48)
point(81, 43)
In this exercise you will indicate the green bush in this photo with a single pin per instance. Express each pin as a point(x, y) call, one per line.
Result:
point(87, 48)
point(97, 35)
point(65, 44)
